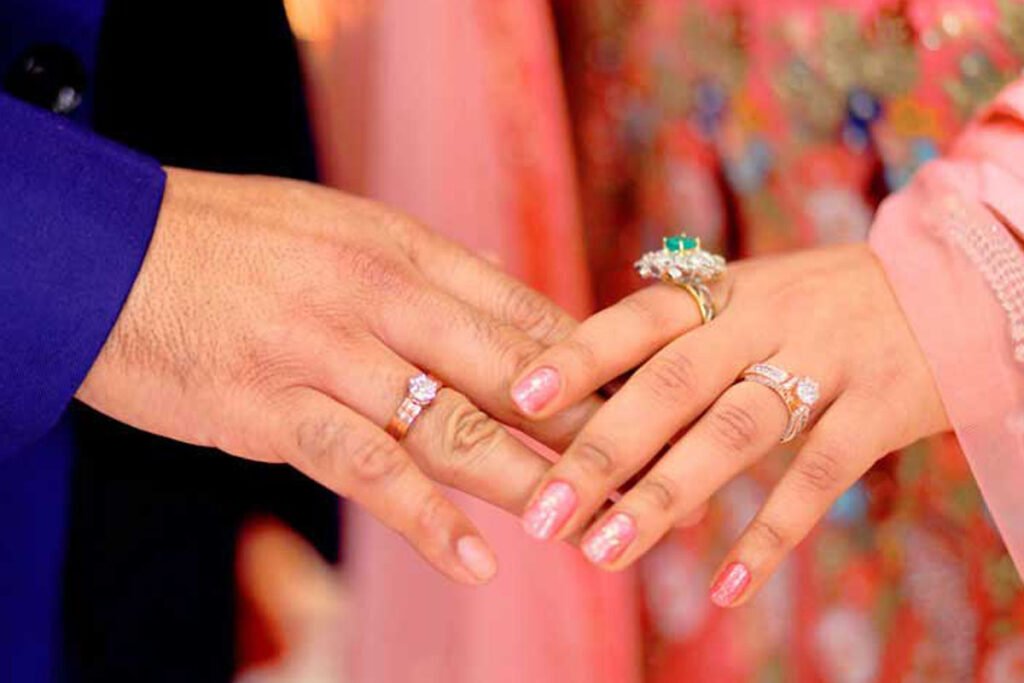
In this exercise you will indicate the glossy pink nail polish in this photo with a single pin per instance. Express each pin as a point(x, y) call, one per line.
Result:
point(730, 584)
point(611, 539)
point(550, 511)
point(536, 390)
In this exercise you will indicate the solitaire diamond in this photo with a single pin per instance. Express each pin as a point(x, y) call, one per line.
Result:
point(423, 388)
point(807, 391)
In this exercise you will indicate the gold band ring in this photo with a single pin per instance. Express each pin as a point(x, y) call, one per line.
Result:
point(421, 392)
point(702, 297)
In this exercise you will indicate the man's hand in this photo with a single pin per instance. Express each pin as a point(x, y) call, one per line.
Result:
point(281, 321)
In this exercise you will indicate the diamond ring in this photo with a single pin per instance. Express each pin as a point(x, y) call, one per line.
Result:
point(798, 393)
point(681, 261)
point(421, 392)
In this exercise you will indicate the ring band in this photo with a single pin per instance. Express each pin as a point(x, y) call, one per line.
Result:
point(421, 392)
point(702, 297)
point(799, 394)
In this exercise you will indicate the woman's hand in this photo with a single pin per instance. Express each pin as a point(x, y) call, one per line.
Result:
point(828, 314)
point(281, 321)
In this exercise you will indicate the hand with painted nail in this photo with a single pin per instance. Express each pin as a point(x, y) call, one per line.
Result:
point(811, 342)
point(283, 322)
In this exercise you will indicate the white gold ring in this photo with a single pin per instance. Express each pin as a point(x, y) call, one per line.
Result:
point(799, 394)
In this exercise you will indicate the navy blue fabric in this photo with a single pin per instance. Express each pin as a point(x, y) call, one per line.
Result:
point(76, 216)
point(72, 24)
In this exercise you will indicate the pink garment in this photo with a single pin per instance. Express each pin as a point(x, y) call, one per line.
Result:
point(949, 244)
point(475, 143)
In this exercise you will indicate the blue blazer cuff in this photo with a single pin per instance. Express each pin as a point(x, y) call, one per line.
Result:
point(76, 216)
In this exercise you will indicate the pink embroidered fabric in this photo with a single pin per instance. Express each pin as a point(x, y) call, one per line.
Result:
point(949, 243)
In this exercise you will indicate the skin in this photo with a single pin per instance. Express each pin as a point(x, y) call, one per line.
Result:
point(826, 313)
point(280, 321)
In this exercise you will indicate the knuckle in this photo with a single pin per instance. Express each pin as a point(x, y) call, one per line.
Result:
point(670, 374)
point(733, 427)
point(431, 515)
point(315, 440)
point(767, 534)
point(660, 491)
point(515, 352)
point(470, 437)
point(376, 272)
point(369, 460)
point(530, 312)
point(508, 346)
point(640, 308)
point(819, 470)
point(594, 457)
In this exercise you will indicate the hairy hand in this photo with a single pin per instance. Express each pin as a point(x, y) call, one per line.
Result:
point(281, 321)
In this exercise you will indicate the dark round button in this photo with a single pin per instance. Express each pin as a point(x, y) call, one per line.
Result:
point(47, 76)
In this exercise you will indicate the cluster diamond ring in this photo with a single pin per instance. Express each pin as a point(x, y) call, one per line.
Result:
point(798, 393)
point(683, 262)
point(420, 393)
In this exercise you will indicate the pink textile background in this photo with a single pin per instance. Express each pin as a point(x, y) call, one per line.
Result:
point(456, 114)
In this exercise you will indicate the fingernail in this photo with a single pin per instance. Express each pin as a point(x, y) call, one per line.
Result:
point(609, 541)
point(730, 584)
point(536, 390)
point(550, 511)
point(477, 557)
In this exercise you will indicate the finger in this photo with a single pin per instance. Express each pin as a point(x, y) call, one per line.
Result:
point(738, 430)
point(839, 450)
point(602, 347)
point(456, 270)
point(663, 397)
point(349, 455)
point(452, 441)
point(476, 354)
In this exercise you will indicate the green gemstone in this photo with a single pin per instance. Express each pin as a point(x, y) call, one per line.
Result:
point(673, 243)
point(689, 242)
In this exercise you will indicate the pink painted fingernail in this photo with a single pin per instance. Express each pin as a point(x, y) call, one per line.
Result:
point(550, 511)
point(477, 557)
point(730, 584)
point(608, 542)
point(536, 390)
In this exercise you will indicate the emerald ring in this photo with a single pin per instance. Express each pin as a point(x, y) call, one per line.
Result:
point(681, 260)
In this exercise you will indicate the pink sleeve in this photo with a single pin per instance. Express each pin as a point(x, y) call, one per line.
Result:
point(949, 244)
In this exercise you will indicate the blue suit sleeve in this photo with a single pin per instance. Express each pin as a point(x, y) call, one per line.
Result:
point(76, 216)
